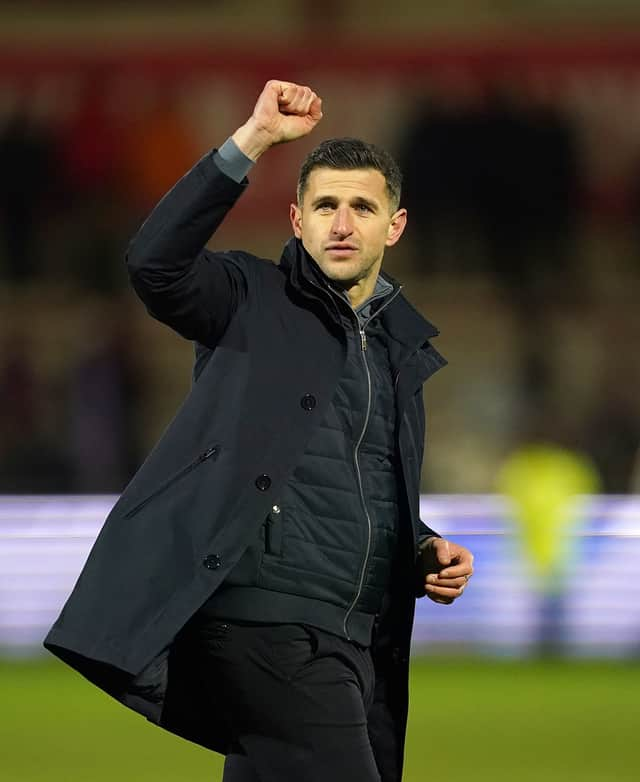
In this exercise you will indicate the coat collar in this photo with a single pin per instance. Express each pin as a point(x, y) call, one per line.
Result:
point(402, 321)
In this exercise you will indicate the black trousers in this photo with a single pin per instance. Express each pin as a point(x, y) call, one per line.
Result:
point(295, 700)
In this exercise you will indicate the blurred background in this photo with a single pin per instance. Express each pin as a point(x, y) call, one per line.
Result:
point(517, 125)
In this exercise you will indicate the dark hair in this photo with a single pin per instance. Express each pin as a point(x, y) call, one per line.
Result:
point(352, 153)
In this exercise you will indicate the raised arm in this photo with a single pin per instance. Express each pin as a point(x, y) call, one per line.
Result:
point(194, 291)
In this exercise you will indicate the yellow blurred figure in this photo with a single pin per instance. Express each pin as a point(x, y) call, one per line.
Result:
point(542, 482)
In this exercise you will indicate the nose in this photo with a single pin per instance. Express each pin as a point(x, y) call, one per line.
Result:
point(342, 225)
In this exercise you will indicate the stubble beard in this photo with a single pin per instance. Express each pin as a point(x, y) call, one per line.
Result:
point(354, 278)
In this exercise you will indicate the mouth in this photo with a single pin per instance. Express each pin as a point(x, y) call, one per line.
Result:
point(341, 249)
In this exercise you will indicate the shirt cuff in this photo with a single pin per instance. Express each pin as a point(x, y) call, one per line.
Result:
point(232, 161)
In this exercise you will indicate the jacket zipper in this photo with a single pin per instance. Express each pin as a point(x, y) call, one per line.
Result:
point(363, 349)
point(208, 454)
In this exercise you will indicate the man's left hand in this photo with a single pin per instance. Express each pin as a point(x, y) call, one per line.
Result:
point(453, 566)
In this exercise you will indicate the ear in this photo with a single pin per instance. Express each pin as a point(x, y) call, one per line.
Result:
point(396, 227)
point(295, 215)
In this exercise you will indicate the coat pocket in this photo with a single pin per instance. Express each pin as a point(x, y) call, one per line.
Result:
point(210, 453)
point(273, 532)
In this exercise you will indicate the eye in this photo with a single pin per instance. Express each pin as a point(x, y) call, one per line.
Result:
point(363, 208)
point(324, 206)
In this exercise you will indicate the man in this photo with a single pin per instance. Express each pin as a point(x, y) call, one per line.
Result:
point(253, 588)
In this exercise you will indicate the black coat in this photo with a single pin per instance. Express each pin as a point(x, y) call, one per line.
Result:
point(264, 344)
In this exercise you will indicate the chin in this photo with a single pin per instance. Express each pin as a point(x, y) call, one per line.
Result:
point(340, 270)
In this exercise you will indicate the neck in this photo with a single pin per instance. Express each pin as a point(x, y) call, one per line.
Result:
point(361, 291)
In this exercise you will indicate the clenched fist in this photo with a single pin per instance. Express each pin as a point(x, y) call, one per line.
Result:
point(283, 112)
point(446, 568)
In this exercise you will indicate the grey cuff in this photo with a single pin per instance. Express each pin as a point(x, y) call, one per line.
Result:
point(232, 161)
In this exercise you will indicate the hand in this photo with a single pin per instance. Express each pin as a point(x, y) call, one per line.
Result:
point(449, 569)
point(283, 112)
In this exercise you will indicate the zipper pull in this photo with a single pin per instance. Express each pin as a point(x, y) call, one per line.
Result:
point(209, 452)
point(363, 340)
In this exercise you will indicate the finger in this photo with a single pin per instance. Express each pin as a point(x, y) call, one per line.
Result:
point(305, 101)
point(286, 92)
point(279, 89)
point(286, 95)
point(439, 591)
point(442, 600)
point(446, 591)
point(442, 550)
point(311, 98)
point(461, 562)
point(451, 583)
point(315, 109)
point(294, 100)
point(284, 89)
point(457, 571)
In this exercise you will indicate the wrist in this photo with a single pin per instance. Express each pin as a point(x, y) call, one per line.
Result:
point(251, 140)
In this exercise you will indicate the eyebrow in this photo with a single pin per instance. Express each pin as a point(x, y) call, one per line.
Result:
point(355, 201)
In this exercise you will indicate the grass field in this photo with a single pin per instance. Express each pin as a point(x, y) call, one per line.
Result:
point(470, 721)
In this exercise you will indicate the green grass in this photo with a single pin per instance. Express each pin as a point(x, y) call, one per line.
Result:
point(470, 721)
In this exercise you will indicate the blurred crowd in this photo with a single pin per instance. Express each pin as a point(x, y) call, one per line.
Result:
point(504, 192)
point(74, 186)
point(85, 174)
point(528, 261)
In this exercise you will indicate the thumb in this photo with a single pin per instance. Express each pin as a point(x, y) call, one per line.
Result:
point(443, 552)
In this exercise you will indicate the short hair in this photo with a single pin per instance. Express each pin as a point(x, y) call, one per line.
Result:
point(348, 154)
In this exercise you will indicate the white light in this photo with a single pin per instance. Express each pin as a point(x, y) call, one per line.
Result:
point(45, 540)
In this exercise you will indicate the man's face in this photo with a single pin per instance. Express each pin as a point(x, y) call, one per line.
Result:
point(345, 222)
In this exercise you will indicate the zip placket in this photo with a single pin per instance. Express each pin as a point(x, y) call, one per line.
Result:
point(363, 348)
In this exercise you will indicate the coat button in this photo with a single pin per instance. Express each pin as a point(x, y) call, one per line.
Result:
point(212, 562)
point(275, 509)
point(263, 482)
point(308, 402)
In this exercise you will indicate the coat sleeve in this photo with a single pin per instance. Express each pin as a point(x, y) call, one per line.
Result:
point(194, 291)
point(425, 532)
